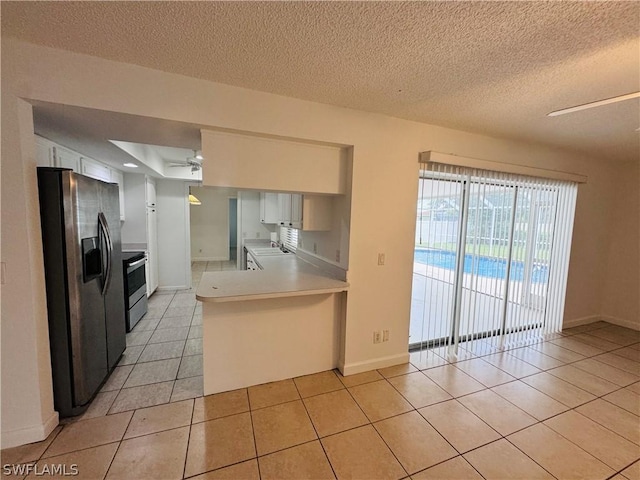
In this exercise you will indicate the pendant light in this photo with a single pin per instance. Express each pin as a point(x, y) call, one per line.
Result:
point(193, 200)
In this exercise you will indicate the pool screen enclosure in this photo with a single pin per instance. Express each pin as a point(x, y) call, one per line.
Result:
point(491, 258)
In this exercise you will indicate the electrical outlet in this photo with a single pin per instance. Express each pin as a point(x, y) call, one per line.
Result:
point(381, 259)
point(377, 337)
point(385, 335)
point(257, 234)
point(337, 255)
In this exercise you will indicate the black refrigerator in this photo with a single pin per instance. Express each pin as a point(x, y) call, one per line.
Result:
point(80, 220)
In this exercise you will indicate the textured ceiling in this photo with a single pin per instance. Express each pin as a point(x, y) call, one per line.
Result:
point(491, 67)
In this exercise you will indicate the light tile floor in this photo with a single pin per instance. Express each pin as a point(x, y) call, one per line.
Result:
point(550, 410)
point(163, 359)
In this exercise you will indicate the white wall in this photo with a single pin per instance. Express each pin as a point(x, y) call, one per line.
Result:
point(210, 224)
point(250, 226)
point(620, 304)
point(384, 192)
point(174, 266)
point(27, 391)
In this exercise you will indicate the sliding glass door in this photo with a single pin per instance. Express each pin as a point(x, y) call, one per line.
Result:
point(491, 258)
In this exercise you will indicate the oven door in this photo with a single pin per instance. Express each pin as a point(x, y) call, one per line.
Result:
point(136, 283)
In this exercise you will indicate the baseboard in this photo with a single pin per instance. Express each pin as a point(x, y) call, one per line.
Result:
point(210, 259)
point(576, 322)
point(621, 322)
point(35, 433)
point(605, 318)
point(179, 287)
point(359, 367)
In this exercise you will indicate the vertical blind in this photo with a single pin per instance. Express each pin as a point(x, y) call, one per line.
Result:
point(491, 258)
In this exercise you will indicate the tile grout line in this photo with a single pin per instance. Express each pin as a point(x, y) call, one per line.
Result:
point(186, 454)
point(253, 433)
point(318, 438)
point(119, 445)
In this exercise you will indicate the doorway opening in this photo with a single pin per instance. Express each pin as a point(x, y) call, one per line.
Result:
point(490, 261)
point(233, 229)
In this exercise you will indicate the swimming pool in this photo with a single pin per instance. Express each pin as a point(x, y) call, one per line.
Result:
point(480, 265)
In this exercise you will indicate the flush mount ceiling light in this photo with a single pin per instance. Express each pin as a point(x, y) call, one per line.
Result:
point(599, 103)
point(130, 165)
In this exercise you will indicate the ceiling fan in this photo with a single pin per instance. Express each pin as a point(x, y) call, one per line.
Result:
point(194, 162)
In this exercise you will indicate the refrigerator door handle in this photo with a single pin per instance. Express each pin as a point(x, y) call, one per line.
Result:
point(104, 226)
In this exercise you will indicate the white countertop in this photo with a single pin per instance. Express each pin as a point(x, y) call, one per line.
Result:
point(283, 276)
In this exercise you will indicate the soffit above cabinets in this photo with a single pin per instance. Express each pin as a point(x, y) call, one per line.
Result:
point(261, 163)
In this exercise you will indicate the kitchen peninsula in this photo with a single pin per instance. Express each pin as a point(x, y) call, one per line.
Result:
point(265, 325)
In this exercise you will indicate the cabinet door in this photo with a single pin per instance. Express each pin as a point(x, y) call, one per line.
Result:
point(118, 177)
point(97, 170)
point(317, 212)
point(284, 209)
point(150, 191)
point(296, 211)
point(44, 152)
point(269, 207)
point(64, 158)
point(152, 249)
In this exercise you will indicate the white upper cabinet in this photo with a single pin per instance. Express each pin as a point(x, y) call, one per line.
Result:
point(65, 158)
point(150, 191)
point(97, 170)
point(44, 152)
point(293, 210)
point(284, 209)
point(50, 154)
point(290, 210)
point(295, 218)
point(269, 208)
